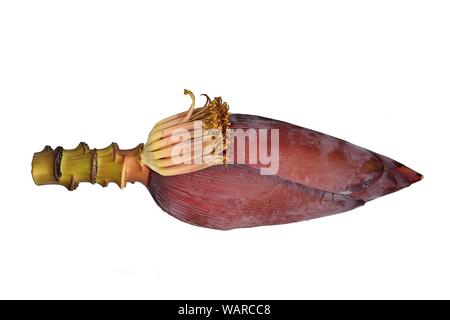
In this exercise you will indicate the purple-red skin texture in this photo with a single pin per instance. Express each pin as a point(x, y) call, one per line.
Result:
point(318, 175)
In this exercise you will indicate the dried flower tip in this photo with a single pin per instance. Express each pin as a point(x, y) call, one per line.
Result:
point(191, 140)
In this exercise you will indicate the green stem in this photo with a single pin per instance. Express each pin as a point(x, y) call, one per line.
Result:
point(102, 166)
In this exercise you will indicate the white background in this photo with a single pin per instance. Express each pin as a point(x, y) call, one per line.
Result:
point(376, 73)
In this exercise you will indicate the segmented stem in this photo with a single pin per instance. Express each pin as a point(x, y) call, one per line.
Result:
point(102, 166)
